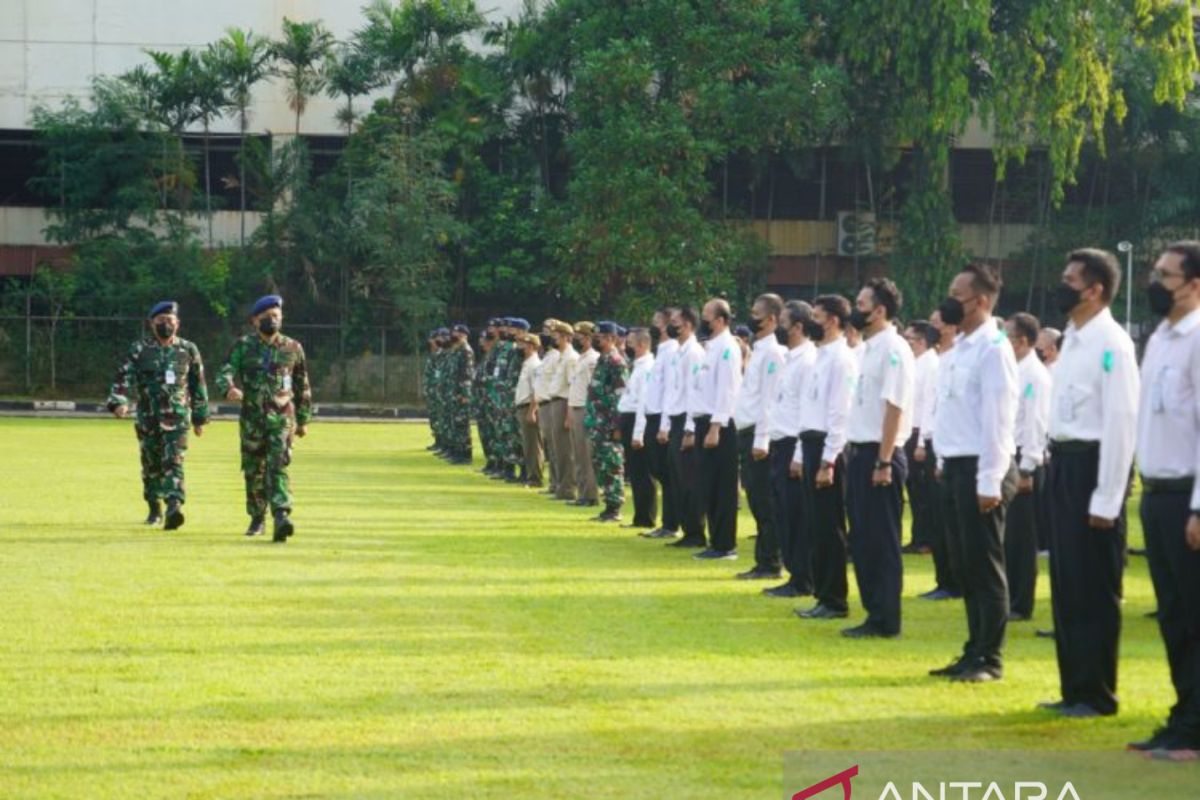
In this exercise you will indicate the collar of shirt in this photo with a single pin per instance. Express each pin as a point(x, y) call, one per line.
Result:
point(834, 347)
point(1181, 328)
point(1092, 328)
point(800, 350)
point(644, 361)
point(766, 342)
point(981, 335)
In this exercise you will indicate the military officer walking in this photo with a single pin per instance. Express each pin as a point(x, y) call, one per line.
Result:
point(164, 375)
point(276, 404)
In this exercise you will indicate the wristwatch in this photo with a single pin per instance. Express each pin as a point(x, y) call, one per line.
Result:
point(883, 465)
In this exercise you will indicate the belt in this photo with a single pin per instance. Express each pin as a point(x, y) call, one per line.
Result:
point(1073, 446)
point(1167, 485)
point(813, 436)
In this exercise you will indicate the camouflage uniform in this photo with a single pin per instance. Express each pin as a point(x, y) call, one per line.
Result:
point(602, 420)
point(500, 403)
point(514, 447)
point(479, 404)
point(276, 400)
point(460, 368)
point(429, 381)
point(167, 382)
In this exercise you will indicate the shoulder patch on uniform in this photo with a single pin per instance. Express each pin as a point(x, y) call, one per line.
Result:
point(725, 355)
point(999, 337)
point(1107, 362)
point(894, 358)
point(771, 368)
point(1029, 389)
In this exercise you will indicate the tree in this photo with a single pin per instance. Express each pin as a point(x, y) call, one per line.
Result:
point(243, 60)
point(300, 53)
point(211, 102)
point(349, 73)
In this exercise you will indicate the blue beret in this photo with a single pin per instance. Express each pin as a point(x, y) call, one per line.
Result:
point(442, 332)
point(518, 322)
point(165, 307)
point(742, 330)
point(622, 330)
point(605, 326)
point(460, 327)
point(266, 303)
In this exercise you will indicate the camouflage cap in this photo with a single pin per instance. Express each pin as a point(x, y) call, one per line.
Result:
point(585, 328)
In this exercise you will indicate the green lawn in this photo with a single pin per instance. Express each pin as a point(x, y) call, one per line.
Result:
point(430, 633)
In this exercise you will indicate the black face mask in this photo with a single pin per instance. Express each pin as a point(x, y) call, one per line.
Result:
point(705, 329)
point(165, 330)
point(490, 336)
point(1066, 298)
point(781, 336)
point(859, 319)
point(577, 343)
point(755, 325)
point(952, 311)
point(814, 331)
point(1161, 299)
point(629, 353)
point(655, 336)
point(268, 326)
point(1041, 354)
point(547, 341)
point(595, 342)
point(673, 331)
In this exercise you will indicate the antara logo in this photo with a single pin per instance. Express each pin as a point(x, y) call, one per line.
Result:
point(945, 790)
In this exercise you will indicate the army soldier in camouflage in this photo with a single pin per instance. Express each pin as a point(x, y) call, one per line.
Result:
point(429, 381)
point(276, 404)
point(439, 402)
point(483, 394)
point(459, 372)
point(518, 327)
point(500, 400)
point(165, 376)
point(603, 421)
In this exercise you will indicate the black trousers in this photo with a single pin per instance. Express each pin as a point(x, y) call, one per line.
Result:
point(683, 480)
point(981, 544)
point(827, 517)
point(717, 484)
point(756, 478)
point(1021, 537)
point(947, 566)
point(1175, 570)
point(1086, 567)
point(658, 457)
point(637, 470)
point(920, 490)
point(791, 522)
point(875, 534)
point(1042, 502)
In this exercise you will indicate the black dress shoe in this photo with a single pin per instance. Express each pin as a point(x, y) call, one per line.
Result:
point(283, 527)
point(174, 518)
point(685, 542)
point(977, 673)
point(256, 526)
point(821, 611)
point(1044, 634)
point(608, 515)
point(716, 555)
point(758, 574)
point(1160, 738)
point(783, 590)
point(1083, 711)
point(1052, 705)
point(866, 631)
point(956, 667)
point(663, 533)
point(155, 515)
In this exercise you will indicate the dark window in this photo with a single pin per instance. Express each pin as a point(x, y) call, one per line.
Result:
point(19, 156)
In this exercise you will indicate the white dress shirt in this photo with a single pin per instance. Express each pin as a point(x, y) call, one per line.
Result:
point(635, 387)
point(828, 393)
point(886, 379)
point(655, 392)
point(924, 389)
point(547, 374)
point(977, 411)
point(756, 398)
point(526, 380)
point(789, 391)
point(1095, 399)
point(1169, 412)
point(929, 422)
point(687, 359)
point(560, 383)
point(714, 386)
point(581, 377)
point(1033, 411)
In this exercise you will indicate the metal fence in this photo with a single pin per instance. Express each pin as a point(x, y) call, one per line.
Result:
point(76, 357)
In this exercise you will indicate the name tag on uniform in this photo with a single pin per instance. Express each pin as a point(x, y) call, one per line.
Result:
point(169, 378)
point(287, 383)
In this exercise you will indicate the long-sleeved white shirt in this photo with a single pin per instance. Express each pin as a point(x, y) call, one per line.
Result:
point(1169, 411)
point(977, 412)
point(756, 399)
point(547, 374)
point(1095, 399)
point(1033, 411)
point(655, 393)
point(581, 377)
point(686, 360)
point(527, 379)
point(560, 382)
point(635, 387)
point(828, 393)
point(924, 389)
point(714, 386)
point(929, 423)
point(789, 391)
point(886, 379)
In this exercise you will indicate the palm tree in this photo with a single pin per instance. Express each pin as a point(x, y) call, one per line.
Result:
point(244, 59)
point(300, 52)
point(350, 72)
point(211, 102)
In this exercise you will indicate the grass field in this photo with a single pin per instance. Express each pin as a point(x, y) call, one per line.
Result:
point(429, 634)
